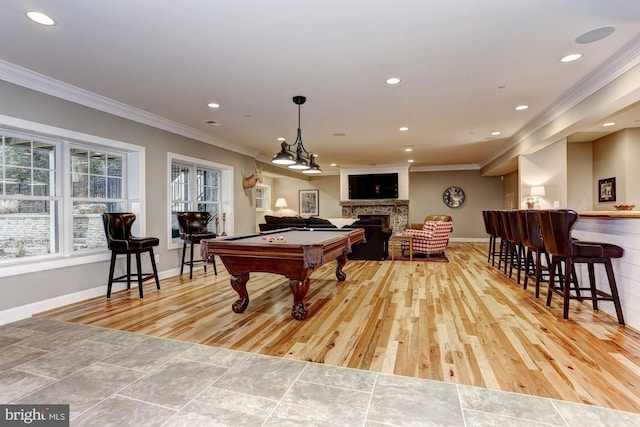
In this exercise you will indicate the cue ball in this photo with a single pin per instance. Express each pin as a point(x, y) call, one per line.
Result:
point(311, 229)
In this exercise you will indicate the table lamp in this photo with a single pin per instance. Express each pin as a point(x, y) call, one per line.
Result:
point(281, 203)
point(533, 200)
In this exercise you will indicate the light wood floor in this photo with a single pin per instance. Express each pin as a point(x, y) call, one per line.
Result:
point(462, 322)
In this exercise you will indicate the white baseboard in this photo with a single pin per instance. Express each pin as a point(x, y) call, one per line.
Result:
point(470, 239)
point(25, 311)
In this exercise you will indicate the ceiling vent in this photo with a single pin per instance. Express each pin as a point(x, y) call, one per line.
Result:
point(212, 123)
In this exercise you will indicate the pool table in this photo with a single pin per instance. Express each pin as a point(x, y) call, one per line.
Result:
point(294, 253)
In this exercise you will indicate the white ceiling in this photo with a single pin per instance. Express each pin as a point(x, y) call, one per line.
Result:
point(170, 58)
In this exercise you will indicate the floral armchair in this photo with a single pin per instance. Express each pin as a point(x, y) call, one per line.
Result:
point(432, 239)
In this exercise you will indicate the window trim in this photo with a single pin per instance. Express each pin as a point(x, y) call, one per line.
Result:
point(267, 204)
point(135, 183)
point(225, 188)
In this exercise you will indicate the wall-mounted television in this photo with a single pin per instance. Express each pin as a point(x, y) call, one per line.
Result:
point(373, 186)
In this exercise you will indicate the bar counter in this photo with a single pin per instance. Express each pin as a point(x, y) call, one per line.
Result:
point(610, 214)
point(622, 229)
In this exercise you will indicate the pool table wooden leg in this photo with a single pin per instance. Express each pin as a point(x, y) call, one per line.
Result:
point(341, 261)
point(299, 288)
point(239, 284)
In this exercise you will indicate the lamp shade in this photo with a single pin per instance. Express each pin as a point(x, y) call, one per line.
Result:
point(284, 157)
point(281, 203)
point(313, 166)
point(537, 191)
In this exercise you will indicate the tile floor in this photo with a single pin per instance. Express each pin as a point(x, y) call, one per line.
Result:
point(114, 378)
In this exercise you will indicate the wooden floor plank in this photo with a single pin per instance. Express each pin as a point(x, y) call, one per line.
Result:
point(463, 322)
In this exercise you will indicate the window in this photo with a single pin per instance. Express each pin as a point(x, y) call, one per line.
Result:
point(96, 187)
point(54, 186)
point(263, 197)
point(28, 204)
point(199, 185)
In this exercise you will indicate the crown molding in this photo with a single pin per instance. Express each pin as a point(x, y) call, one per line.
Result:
point(35, 81)
point(615, 66)
point(445, 168)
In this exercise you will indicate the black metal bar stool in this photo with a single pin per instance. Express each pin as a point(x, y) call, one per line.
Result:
point(193, 230)
point(556, 226)
point(117, 227)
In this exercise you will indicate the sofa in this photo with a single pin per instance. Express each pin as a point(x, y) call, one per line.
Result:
point(375, 246)
point(277, 222)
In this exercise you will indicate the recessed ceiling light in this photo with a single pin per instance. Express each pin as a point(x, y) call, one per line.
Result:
point(496, 133)
point(213, 105)
point(404, 129)
point(595, 35)
point(570, 58)
point(410, 161)
point(282, 139)
point(608, 124)
point(408, 148)
point(333, 164)
point(40, 18)
point(393, 81)
point(522, 107)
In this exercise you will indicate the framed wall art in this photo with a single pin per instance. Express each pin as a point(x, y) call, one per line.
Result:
point(309, 201)
point(607, 190)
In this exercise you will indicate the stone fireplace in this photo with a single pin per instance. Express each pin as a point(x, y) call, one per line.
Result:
point(397, 210)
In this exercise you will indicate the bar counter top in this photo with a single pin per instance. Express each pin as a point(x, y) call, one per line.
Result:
point(610, 214)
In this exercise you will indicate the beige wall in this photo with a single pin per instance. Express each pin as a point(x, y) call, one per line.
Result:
point(511, 192)
point(609, 162)
point(616, 155)
point(580, 176)
point(633, 171)
point(481, 193)
point(329, 187)
point(546, 167)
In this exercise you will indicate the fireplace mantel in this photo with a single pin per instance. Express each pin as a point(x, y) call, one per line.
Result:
point(372, 202)
point(397, 209)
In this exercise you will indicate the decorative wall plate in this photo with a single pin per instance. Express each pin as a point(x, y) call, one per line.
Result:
point(453, 197)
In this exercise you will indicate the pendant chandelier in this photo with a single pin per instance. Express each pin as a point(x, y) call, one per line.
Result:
point(295, 155)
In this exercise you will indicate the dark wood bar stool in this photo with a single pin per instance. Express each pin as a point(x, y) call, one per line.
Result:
point(117, 227)
point(491, 231)
point(193, 230)
point(556, 226)
point(505, 246)
point(517, 255)
point(532, 240)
